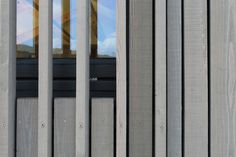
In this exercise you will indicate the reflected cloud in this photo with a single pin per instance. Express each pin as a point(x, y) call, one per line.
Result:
point(108, 46)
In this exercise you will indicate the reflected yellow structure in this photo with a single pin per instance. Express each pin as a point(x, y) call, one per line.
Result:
point(36, 26)
point(94, 29)
point(63, 23)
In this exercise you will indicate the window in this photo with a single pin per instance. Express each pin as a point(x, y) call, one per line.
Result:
point(103, 28)
point(27, 28)
point(103, 47)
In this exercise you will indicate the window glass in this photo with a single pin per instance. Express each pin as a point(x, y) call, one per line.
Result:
point(103, 28)
point(27, 28)
point(106, 28)
point(64, 28)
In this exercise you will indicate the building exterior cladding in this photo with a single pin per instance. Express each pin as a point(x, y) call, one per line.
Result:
point(175, 79)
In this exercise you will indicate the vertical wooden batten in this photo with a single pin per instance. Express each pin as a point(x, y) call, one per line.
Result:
point(196, 79)
point(82, 79)
point(174, 73)
point(7, 77)
point(45, 79)
point(27, 127)
point(64, 127)
point(141, 78)
point(121, 97)
point(102, 127)
point(160, 78)
point(223, 77)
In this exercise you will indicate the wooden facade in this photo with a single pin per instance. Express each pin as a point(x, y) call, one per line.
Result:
point(175, 85)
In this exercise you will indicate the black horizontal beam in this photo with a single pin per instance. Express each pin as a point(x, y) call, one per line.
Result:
point(102, 74)
point(66, 68)
point(93, 94)
point(66, 85)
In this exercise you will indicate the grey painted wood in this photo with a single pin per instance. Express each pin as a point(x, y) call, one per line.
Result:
point(223, 77)
point(121, 81)
point(174, 52)
point(45, 79)
point(27, 130)
point(64, 127)
point(82, 79)
point(140, 79)
point(160, 78)
point(7, 76)
point(196, 78)
point(102, 127)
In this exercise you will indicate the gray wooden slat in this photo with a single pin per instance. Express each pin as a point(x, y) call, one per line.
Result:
point(64, 127)
point(121, 81)
point(7, 76)
point(160, 78)
point(223, 77)
point(140, 78)
point(82, 79)
point(27, 131)
point(102, 127)
point(174, 52)
point(45, 79)
point(196, 78)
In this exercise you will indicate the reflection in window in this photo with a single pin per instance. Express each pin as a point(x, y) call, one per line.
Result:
point(64, 28)
point(27, 28)
point(106, 28)
point(103, 28)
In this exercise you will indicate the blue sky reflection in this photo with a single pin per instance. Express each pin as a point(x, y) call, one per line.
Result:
point(106, 25)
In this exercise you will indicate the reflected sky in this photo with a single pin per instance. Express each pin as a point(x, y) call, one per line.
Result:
point(106, 25)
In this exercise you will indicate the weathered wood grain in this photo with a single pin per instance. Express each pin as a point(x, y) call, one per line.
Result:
point(196, 79)
point(140, 78)
point(64, 127)
point(121, 81)
point(102, 133)
point(174, 60)
point(160, 78)
point(7, 76)
point(102, 127)
point(27, 127)
point(45, 79)
point(82, 79)
point(223, 77)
